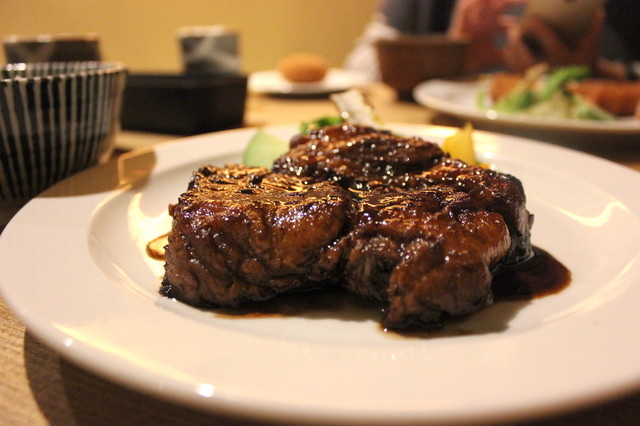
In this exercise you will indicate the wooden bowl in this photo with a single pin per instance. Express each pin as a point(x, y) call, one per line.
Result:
point(409, 60)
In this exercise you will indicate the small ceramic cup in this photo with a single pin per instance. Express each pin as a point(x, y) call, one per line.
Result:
point(52, 48)
point(56, 119)
point(209, 50)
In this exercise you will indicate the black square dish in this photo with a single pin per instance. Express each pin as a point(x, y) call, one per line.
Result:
point(183, 104)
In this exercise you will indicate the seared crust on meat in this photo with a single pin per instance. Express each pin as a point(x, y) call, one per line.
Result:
point(359, 159)
point(242, 234)
point(425, 253)
point(369, 160)
point(386, 217)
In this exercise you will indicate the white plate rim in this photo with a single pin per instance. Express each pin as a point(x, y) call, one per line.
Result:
point(336, 80)
point(95, 344)
point(458, 98)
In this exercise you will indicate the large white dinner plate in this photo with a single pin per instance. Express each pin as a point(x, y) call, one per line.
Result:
point(73, 267)
point(336, 80)
point(459, 98)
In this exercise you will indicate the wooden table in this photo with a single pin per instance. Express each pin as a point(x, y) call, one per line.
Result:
point(38, 387)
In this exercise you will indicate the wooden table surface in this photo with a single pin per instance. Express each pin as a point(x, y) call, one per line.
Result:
point(38, 387)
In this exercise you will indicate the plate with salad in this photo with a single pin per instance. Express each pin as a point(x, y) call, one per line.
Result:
point(564, 99)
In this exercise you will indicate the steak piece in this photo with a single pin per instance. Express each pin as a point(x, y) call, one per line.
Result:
point(438, 228)
point(492, 191)
point(334, 133)
point(366, 159)
point(386, 217)
point(426, 254)
point(357, 157)
point(243, 234)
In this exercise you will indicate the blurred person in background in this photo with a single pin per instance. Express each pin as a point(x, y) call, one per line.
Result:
point(496, 39)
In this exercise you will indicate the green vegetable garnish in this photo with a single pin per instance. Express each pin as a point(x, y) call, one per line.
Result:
point(559, 78)
point(586, 110)
point(549, 97)
point(263, 149)
point(328, 120)
point(516, 101)
point(481, 99)
point(523, 95)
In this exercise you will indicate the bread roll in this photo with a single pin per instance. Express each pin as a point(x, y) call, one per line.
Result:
point(303, 67)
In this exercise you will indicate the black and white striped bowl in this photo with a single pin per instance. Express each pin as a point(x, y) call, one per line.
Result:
point(55, 119)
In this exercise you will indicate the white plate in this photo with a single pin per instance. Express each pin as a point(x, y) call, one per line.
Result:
point(458, 98)
point(73, 267)
point(336, 80)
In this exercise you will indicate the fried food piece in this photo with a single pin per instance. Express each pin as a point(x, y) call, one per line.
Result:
point(616, 97)
point(501, 84)
point(303, 67)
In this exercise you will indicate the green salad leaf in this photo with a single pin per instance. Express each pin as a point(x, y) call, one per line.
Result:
point(558, 79)
point(263, 149)
point(546, 94)
point(516, 101)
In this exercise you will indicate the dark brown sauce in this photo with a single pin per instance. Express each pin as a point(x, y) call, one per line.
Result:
point(541, 276)
point(513, 288)
point(325, 303)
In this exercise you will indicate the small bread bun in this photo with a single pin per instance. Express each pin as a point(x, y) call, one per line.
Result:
point(303, 67)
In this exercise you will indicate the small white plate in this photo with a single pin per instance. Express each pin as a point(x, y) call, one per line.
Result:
point(336, 80)
point(73, 267)
point(459, 98)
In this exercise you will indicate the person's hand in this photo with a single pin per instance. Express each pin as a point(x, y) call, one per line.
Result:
point(480, 19)
point(480, 22)
point(517, 55)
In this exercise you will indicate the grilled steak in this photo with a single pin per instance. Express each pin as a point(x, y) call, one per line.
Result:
point(243, 234)
point(425, 253)
point(334, 133)
point(385, 217)
point(365, 159)
point(362, 158)
point(492, 191)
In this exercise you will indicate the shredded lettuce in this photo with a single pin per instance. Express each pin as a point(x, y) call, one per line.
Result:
point(558, 79)
point(516, 101)
point(546, 94)
point(588, 111)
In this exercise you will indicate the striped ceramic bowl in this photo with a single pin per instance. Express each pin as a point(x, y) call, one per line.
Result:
point(55, 120)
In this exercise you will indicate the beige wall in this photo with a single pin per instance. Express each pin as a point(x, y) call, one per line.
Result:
point(141, 33)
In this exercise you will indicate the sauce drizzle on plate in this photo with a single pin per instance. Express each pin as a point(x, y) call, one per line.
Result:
point(542, 275)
